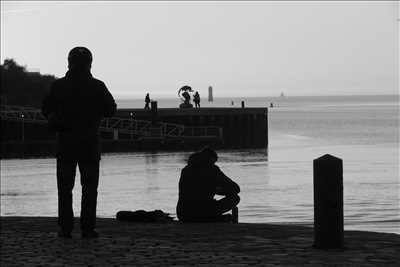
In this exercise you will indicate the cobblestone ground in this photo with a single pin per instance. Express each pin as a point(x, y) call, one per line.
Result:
point(31, 241)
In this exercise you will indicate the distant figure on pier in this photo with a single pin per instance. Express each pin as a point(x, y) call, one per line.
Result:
point(147, 101)
point(271, 105)
point(74, 108)
point(200, 181)
point(196, 99)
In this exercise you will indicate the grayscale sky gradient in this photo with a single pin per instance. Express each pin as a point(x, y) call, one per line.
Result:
point(240, 48)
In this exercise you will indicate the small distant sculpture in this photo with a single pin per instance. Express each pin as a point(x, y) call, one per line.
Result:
point(271, 105)
point(196, 99)
point(147, 101)
point(184, 95)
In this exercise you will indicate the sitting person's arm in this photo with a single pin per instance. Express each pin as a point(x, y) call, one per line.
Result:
point(225, 186)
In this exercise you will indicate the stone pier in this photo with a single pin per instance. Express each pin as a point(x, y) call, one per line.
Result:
point(240, 127)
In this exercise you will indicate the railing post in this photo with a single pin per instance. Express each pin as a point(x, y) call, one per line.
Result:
point(131, 125)
point(115, 134)
point(328, 202)
point(23, 127)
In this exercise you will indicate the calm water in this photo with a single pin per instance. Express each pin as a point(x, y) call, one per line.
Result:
point(276, 184)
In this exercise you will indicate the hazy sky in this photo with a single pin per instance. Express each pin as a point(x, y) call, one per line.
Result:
point(239, 48)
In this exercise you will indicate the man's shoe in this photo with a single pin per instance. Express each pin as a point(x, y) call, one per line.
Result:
point(64, 234)
point(226, 218)
point(235, 215)
point(90, 234)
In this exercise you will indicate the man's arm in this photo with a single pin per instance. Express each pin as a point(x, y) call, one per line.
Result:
point(110, 106)
point(49, 108)
point(225, 186)
point(49, 104)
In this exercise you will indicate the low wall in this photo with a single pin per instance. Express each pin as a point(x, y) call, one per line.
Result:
point(241, 128)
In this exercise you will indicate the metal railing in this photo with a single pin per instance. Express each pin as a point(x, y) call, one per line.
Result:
point(203, 131)
point(18, 113)
point(142, 127)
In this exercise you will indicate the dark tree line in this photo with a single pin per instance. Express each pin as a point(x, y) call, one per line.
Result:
point(22, 88)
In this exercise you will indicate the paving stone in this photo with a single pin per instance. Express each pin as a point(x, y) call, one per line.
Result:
point(30, 241)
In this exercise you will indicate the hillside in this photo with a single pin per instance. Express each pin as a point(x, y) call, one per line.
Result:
point(21, 87)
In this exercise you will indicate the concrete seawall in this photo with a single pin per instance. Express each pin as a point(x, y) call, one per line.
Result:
point(222, 128)
point(240, 127)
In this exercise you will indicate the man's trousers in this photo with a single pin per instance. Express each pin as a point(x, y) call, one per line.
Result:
point(66, 170)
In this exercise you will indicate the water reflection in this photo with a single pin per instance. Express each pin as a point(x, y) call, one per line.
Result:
point(279, 190)
point(152, 172)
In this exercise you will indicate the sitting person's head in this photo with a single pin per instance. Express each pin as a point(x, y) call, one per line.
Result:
point(207, 156)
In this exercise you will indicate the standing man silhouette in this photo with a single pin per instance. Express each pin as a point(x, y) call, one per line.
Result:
point(74, 108)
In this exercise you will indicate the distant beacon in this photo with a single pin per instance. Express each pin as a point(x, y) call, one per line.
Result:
point(210, 94)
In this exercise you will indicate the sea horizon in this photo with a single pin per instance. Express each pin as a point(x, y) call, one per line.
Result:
point(205, 95)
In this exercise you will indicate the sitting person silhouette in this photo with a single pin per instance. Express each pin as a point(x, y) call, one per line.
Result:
point(200, 181)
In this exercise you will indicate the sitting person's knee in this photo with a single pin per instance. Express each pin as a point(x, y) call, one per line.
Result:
point(235, 199)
